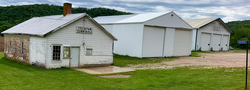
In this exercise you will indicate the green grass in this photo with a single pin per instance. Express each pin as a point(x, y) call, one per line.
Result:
point(197, 53)
point(18, 76)
point(121, 60)
point(238, 51)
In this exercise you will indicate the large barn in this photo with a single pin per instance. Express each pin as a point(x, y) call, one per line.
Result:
point(149, 35)
point(69, 40)
point(210, 34)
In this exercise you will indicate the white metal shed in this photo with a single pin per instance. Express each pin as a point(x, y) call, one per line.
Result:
point(149, 35)
point(210, 34)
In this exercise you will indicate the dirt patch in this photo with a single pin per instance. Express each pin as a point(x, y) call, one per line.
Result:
point(114, 76)
point(216, 59)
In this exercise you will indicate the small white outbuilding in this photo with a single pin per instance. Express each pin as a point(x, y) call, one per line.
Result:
point(149, 35)
point(210, 34)
point(69, 40)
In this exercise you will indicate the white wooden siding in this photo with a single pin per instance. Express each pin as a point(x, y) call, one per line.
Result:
point(38, 50)
point(99, 41)
point(153, 38)
point(169, 21)
point(129, 39)
point(182, 42)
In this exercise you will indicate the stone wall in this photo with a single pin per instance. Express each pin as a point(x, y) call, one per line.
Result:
point(12, 48)
point(1, 44)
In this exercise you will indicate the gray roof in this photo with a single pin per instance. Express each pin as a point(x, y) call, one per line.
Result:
point(41, 26)
point(197, 23)
point(132, 18)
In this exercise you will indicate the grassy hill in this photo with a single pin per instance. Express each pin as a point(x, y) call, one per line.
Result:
point(13, 15)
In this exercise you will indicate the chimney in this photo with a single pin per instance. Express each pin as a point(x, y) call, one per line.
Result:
point(67, 8)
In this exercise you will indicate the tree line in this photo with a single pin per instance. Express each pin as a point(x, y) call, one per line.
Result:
point(13, 15)
point(241, 31)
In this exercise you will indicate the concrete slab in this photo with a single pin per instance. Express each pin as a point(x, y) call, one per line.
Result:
point(104, 70)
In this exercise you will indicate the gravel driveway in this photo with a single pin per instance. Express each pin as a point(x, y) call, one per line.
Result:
point(214, 59)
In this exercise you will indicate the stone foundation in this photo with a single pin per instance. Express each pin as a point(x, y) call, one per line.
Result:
point(1, 44)
point(14, 51)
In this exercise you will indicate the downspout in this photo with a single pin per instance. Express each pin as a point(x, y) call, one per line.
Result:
point(196, 40)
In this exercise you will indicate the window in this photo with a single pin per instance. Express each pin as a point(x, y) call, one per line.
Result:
point(9, 45)
point(56, 52)
point(21, 47)
point(66, 52)
point(89, 51)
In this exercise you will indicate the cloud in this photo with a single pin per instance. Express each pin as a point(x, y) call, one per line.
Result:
point(228, 10)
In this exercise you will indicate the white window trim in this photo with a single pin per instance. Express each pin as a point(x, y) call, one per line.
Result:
point(63, 52)
point(60, 52)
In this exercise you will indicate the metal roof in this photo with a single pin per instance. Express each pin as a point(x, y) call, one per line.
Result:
point(198, 23)
point(132, 18)
point(41, 26)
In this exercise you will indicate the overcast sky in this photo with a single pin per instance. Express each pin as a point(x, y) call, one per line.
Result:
point(228, 10)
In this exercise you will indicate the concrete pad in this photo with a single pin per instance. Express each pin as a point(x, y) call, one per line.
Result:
point(104, 70)
point(114, 76)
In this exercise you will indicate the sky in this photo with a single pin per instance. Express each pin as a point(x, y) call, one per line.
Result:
point(227, 10)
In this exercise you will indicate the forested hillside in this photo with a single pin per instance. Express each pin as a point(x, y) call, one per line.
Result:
point(241, 31)
point(13, 15)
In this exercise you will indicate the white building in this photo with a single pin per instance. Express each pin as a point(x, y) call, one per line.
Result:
point(69, 40)
point(210, 34)
point(149, 35)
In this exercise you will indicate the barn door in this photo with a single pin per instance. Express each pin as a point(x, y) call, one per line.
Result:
point(216, 42)
point(74, 54)
point(182, 42)
point(205, 41)
point(225, 42)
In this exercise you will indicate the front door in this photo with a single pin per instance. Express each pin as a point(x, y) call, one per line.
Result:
point(74, 54)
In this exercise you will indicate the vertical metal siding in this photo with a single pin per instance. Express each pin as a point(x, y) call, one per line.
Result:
point(171, 20)
point(129, 39)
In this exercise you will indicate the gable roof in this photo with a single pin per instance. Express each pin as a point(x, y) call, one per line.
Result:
point(41, 26)
point(199, 23)
point(132, 18)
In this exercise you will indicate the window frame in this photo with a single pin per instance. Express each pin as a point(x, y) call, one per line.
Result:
point(87, 54)
point(60, 53)
point(64, 52)
point(21, 47)
point(9, 45)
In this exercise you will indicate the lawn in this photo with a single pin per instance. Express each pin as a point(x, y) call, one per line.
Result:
point(197, 53)
point(18, 76)
point(122, 61)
